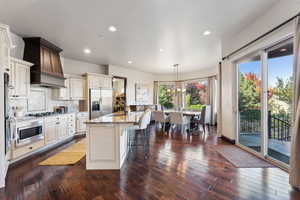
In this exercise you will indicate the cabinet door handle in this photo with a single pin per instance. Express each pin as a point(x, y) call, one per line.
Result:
point(30, 147)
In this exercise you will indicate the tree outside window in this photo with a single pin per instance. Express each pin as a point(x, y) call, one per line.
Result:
point(166, 97)
point(196, 94)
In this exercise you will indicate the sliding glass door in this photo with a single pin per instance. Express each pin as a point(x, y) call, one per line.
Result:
point(249, 103)
point(280, 100)
point(265, 101)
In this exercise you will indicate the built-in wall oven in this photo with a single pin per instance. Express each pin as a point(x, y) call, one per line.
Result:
point(29, 132)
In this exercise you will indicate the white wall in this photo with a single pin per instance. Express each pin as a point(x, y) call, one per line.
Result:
point(71, 66)
point(133, 77)
point(276, 15)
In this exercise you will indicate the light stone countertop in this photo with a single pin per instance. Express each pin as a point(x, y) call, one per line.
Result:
point(117, 118)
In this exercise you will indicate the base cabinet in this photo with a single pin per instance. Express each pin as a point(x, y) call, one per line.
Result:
point(59, 128)
point(17, 152)
point(63, 129)
point(81, 118)
point(50, 132)
point(56, 129)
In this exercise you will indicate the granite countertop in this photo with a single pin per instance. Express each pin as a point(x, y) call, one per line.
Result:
point(27, 118)
point(117, 118)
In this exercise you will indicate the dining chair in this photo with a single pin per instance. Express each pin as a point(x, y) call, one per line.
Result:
point(177, 118)
point(202, 119)
point(160, 118)
point(140, 132)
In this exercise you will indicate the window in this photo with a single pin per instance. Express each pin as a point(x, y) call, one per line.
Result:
point(196, 94)
point(166, 97)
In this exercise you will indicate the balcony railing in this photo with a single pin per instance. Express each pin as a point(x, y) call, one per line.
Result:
point(278, 128)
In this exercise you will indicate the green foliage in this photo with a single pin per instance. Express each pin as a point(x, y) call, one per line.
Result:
point(249, 94)
point(165, 97)
point(284, 90)
point(190, 106)
point(279, 102)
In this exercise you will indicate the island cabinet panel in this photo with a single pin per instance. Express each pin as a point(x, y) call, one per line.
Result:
point(107, 140)
point(103, 147)
point(123, 143)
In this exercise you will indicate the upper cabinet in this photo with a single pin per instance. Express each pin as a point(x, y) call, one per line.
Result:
point(76, 88)
point(73, 90)
point(98, 81)
point(19, 78)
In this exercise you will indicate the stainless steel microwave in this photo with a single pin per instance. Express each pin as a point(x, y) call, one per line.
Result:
point(29, 132)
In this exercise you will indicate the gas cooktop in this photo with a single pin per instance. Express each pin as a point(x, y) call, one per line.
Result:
point(43, 114)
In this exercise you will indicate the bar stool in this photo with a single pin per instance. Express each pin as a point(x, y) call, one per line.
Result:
point(140, 132)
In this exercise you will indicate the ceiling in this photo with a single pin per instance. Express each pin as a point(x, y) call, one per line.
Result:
point(144, 27)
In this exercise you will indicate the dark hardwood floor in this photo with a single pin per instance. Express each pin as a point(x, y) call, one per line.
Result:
point(179, 167)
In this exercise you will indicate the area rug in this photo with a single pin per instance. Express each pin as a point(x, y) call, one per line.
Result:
point(241, 158)
point(68, 156)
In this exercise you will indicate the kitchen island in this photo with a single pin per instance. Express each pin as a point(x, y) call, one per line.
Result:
point(107, 139)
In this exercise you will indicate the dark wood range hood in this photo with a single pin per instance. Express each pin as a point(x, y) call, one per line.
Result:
point(47, 70)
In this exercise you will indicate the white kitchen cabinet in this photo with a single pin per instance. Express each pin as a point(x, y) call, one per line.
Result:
point(98, 81)
point(63, 93)
point(124, 142)
point(19, 78)
point(71, 124)
point(76, 88)
point(107, 82)
point(94, 82)
point(51, 132)
point(80, 125)
point(63, 131)
point(59, 127)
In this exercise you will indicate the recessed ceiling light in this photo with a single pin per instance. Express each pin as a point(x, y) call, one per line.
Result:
point(112, 29)
point(87, 51)
point(206, 33)
point(283, 50)
point(161, 50)
point(129, 62)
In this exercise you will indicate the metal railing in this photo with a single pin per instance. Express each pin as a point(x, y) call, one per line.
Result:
point(278, 128)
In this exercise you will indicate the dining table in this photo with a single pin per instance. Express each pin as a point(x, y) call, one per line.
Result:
point(185, 112)
point(188, 113)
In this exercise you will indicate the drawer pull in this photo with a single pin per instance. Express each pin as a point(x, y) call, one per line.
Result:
point(30, 147)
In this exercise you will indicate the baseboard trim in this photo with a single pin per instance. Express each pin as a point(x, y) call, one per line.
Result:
point(232, 141)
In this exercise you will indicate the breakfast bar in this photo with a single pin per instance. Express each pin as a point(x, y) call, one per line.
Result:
point(107, 139)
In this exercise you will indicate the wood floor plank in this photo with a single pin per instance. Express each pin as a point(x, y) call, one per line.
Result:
point(179, 167)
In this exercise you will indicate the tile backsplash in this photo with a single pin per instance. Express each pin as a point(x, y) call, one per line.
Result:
point(49, 102)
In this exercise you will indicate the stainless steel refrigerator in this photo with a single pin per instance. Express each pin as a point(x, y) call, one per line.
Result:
point(100, 102)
